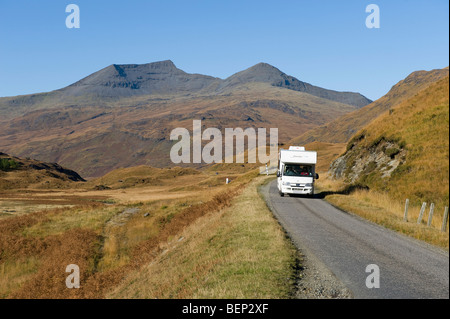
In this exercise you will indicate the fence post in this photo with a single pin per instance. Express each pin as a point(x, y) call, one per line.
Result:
point(405, 215)
point(444, 222)
point(430, 216)
point(422, 210)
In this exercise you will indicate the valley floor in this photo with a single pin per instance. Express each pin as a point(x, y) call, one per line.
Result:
point(216, 241)
point(195, 237)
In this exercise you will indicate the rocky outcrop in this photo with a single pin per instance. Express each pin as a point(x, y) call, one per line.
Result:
point(378, 161)
point(53, 170)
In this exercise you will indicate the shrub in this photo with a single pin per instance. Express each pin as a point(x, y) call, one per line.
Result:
point(377, 141)
point(356, 139)
point(7, 164)
point(391, 152)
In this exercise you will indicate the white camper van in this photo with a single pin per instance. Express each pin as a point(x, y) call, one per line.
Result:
point(296, 171)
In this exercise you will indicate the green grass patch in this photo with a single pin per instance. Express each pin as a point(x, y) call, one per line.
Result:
point(7, 164)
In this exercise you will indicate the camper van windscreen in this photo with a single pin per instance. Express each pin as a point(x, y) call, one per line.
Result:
point(298, 170)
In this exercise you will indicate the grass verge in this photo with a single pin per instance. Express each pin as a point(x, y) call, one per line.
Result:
point(381, 209)
point(237, 252)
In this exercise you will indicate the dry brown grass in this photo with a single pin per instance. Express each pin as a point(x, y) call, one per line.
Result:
point(236, 252)
point(34, 255)
point(106, 244)
point(421, 125)
point(144, 176)
point(341, 129)
point(15, 273)
point(422, 122)
point(326, 154)
point(76, 246)
point(58, 221)
point(12, 243)
point(80, 235)
point(386, 211)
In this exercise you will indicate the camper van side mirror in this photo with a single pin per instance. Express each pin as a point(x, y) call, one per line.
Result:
point(278, 174)
point(317, 176)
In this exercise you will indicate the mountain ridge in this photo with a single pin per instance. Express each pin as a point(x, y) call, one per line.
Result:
point(96, 138)
point(163, 77)
point(264, 72)
point(122, 115)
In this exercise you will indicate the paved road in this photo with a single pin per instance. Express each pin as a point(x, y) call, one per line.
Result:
point(347, 244)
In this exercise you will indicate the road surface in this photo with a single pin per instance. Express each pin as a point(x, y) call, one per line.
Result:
point(347, 244)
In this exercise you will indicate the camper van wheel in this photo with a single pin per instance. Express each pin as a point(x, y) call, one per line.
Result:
point(281, 194)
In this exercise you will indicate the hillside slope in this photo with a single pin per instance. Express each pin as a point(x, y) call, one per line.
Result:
point(21, 173)
point(405, 151)
point(265, 73)
point(342, 129)
point(122, 116)
point(122, 82)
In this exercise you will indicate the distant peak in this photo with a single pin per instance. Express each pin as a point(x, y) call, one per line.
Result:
point(263, 65)
point(261, 72)
point(164, 64)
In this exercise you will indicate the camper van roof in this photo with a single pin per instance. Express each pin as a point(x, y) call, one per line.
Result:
point(296, 148)
point(298, 156)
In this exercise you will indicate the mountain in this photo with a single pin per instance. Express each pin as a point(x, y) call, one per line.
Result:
point(343, 128)
point(128, 81)
point(265, 73)
point(404, 151)
point(122, 115)
point(116, 81)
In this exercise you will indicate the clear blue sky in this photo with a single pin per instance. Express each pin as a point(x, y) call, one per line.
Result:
point(325, 43)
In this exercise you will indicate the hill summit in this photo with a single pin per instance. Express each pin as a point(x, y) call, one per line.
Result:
point(163, 77)
point(266, 73)
point(139, 79)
